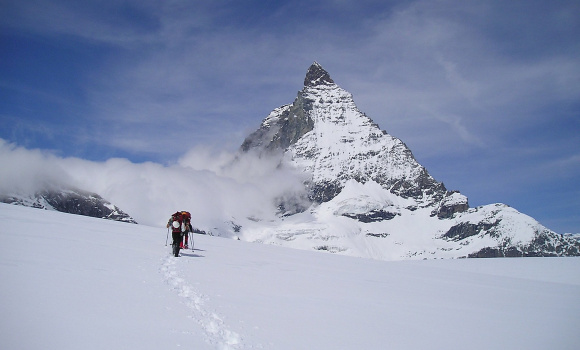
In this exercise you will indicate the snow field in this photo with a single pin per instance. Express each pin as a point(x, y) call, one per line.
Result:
point(71, 282)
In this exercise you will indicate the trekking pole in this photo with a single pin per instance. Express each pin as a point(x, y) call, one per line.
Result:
point(166, 238)
point(191, 239)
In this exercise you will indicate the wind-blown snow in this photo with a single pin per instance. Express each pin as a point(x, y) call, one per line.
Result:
point(73, 282)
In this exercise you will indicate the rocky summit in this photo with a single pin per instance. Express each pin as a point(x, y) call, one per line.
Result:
point(325, 134)
point(368, 195)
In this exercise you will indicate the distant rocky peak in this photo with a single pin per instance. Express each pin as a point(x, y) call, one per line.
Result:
point(316, 75)
point(326, 135)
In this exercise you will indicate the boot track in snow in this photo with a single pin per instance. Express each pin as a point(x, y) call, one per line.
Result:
point(216, 331)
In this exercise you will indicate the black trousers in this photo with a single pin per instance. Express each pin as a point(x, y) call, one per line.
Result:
point(176, 238)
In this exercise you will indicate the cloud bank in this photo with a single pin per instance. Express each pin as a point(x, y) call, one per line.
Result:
point(215, 187)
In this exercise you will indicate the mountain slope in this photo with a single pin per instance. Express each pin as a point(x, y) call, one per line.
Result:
point(69, 200)
point(370, 197)
point(72, 282)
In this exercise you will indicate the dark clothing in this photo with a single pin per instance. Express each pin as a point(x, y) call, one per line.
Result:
point(176, 237)
point(183, 223)
point(176, 243)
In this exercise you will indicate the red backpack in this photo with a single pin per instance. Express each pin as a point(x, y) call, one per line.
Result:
point(181, 221)
point(186, 219)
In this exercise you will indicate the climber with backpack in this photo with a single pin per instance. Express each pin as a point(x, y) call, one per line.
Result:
point(188, 229)
point(180, 224)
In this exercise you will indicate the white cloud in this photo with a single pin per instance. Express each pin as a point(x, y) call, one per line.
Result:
point(28, 171)
point(214, 189)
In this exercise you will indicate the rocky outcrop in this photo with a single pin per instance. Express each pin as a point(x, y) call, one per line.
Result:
point(372, 216)
point(316, 75)
point(465, 230)
point(545, 244)
point(454, 202)
point(72, 201)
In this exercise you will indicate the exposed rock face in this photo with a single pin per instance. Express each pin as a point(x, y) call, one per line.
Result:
point(72, 201)
point(283, 127)
point(545, 244)
point(575, 236)
point(465, 230)
point(453, 203)
point(316, 75)
point(372, 216)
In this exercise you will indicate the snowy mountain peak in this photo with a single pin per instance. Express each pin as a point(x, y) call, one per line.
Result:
point(316, 75)
point(367, 194)
point(324, 133)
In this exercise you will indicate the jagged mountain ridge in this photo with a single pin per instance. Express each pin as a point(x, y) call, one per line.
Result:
point(369, 195)
point(324, 133)
point(70, 200)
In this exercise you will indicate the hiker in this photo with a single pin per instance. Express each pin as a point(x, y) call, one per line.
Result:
point(180, 223)
point(187, 221)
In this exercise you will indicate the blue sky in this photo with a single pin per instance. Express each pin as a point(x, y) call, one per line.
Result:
point(485, 93)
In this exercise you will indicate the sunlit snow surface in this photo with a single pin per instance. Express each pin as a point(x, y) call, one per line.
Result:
point(72, 282)
point(410, 234)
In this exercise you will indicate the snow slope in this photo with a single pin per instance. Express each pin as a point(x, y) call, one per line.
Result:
point(74, 282)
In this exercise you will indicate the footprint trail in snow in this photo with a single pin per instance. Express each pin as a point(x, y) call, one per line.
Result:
point(217, 332)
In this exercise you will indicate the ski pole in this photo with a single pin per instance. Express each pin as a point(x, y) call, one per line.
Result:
point(166, 238)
